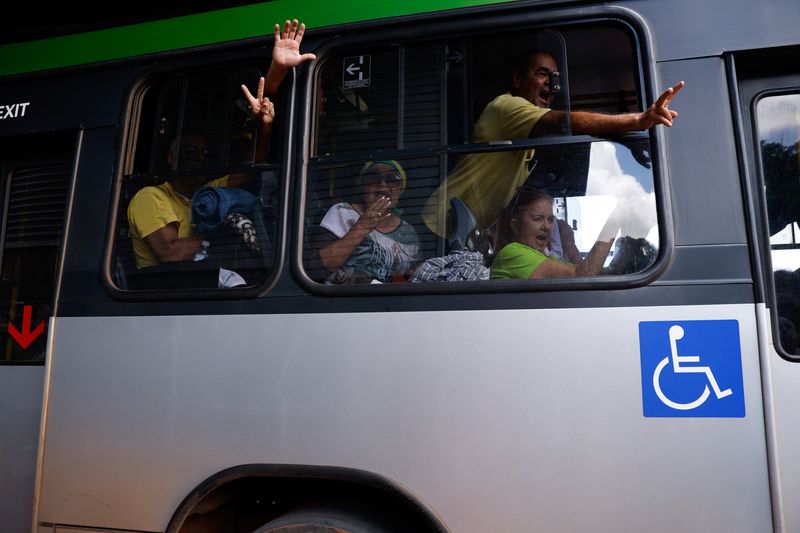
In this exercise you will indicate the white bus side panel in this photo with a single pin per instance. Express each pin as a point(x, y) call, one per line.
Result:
point(20, 412)
point(782, 393)
point(513, 421)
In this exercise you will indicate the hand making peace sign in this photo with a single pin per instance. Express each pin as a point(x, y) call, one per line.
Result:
point(285, 55)
point(260, 106)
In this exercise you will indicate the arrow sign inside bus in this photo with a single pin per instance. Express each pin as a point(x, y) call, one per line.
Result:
point(26, 337)
point(356, 72)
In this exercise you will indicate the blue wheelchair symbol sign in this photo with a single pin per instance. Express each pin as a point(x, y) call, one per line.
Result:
point(691, 368)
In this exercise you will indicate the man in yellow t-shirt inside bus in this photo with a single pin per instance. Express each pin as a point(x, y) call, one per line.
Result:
point(486, 182)
point(159, 216)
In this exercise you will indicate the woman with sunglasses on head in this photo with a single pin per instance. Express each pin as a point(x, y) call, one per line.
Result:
point(368, 240)
point(525, 229)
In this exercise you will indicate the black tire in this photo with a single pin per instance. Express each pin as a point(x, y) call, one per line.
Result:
point(333, 519)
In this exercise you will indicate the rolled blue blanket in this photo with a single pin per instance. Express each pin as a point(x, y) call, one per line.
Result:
point(211, 206)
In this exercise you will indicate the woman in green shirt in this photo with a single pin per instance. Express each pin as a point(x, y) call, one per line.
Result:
point(526, 226)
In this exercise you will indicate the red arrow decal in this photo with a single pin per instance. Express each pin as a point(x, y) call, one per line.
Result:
point(26, 337)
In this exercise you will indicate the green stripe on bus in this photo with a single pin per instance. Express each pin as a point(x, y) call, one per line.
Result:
point(203, 29)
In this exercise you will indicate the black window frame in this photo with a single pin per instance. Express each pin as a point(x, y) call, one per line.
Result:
point(485, 20)
point(771, 296)
point(191, 63)
point(752, 76)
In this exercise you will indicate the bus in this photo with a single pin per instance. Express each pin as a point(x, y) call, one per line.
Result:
point(258, 386)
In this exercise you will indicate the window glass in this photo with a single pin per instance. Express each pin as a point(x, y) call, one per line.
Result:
point(198, 207)
point(35, 196)
point(358, 101)
point(392, 193)
point(779, 138)
point(448, 137)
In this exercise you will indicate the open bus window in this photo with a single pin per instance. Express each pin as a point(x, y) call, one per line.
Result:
point(442, 111)
point(779, 140)
point(198, 205)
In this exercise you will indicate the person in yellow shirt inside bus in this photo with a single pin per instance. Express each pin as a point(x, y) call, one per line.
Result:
point(486, 182)
point(159, 216)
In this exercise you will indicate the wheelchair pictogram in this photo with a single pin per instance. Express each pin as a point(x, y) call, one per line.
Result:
point(683, 363)
point(676, 334)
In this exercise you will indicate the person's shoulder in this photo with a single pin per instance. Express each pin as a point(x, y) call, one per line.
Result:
point(514, 114)
point(342, 207)
point(517, 249)
point(498, 103)
point(406, 229)
point(150, 193)
point(509, 100)
point(219, 182)
point(508, 103)
point(341, 211)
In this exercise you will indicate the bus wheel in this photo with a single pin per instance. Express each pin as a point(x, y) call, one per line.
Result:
point(328, 520)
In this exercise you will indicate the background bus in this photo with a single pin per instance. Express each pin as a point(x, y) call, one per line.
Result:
point(170, 404)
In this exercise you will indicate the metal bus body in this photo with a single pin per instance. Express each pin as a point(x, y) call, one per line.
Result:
point(470, 406)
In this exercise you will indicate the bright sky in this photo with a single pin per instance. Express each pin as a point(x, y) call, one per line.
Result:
point(779, 119)
point(612, 185)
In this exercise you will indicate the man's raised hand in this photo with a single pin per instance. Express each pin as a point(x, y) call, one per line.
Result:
point(659, 112)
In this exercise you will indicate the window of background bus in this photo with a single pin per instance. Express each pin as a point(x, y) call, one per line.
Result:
point(778, 120)
point(415, 105)
point(195, 129)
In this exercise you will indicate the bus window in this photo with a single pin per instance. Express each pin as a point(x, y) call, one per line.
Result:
point(468, 120)
point(197, 178)
point(779, 139)
point(35, 197)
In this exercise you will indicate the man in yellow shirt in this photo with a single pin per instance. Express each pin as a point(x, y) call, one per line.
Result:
point(486, 182)
point(159, 216)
